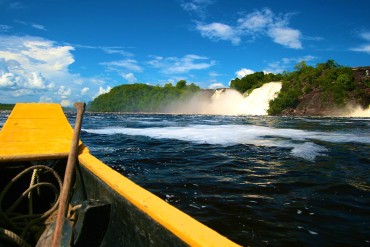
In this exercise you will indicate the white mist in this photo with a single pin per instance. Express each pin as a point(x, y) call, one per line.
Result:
point(231, 102)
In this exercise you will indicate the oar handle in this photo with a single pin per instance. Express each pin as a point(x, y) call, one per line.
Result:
point(72, 159)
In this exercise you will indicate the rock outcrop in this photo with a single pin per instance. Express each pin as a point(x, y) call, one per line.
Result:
point(317, 103)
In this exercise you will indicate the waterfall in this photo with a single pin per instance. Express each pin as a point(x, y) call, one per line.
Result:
point(231, 102)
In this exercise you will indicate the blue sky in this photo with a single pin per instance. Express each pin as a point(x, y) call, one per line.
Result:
point(73, 50)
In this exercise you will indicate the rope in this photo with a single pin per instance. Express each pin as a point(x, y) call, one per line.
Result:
point(23, 223)
point(10, 236)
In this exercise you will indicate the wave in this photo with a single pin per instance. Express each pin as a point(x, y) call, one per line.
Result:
point(301, 142)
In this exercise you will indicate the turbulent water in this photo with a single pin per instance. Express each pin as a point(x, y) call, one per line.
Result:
point(228, 101)
point(260, 181)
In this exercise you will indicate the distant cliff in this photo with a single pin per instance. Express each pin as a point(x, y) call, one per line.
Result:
point(334, 101)
point(327, 89)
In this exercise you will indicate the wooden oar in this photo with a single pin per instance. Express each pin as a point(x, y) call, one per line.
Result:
point(72, 159)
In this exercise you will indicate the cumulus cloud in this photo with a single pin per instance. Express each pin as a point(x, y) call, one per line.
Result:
point(175, 65)
point(286, 36)
point(258, 23)
point(219, 31)
point(45, 99)
point(66, 103)
point(103, 90)
point(85, 90)
point(36, 68)
point(243, 72)
point(130, 77)
point(64, 92)
point(7, 80)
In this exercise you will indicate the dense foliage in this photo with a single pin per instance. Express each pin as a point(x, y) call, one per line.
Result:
point(142, 97)
point(252, 81)
point(329, 84)
point(6, 106)
point(333, 80)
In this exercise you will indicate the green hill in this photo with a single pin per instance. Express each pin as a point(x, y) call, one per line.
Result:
point(142, 97)
point(6, 106)
point(312, 90)
point(307, 90)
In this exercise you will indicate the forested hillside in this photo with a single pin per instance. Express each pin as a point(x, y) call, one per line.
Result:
point(307, 90)
point(6, 106)
point(320, 90)
point(312, 90)
point(142, 97)
point(253, 81)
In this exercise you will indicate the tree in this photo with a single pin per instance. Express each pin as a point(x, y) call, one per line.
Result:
point(181, 84)
point(142, 97)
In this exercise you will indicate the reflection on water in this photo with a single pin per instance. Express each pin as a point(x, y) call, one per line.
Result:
point(258, 180)
point(261, 181)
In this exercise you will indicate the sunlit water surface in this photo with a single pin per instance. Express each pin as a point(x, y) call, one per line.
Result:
point(260, 181)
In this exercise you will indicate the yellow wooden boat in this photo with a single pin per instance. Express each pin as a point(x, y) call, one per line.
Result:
point(105, 209)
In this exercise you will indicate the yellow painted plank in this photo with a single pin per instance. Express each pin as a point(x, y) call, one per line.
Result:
point(35, 130)
point(185, 227)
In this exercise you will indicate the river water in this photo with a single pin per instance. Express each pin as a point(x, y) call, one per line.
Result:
point(260, 181)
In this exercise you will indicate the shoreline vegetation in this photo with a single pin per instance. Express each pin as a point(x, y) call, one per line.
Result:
point(307, 91)
point(6, 107)
point(323, 90)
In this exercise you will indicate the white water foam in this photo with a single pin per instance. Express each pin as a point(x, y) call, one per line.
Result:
point(300, 141)
point(256, 103)
point(231, 102)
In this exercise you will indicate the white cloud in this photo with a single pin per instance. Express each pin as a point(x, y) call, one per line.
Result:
point(66, 103)
point(286, 36)
point(116, 50)
point(37, 81)
point(365, 47)
point(64, 92)
point(365, 35)
point(128, 64)
point(45, 99)
point(130, 77)
point(33, 25)
point(285, 63)
point(34, 68)
point(85, 90)
point(243, 72)
point(219, 31)
point(38, 26)
point(216, 85)
point(7, 80)
point(4, 28)
point(197, 7)
point(22, 92)
point(48, 57)
point(103, 90)
point(175, 65)
point(258, 23)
